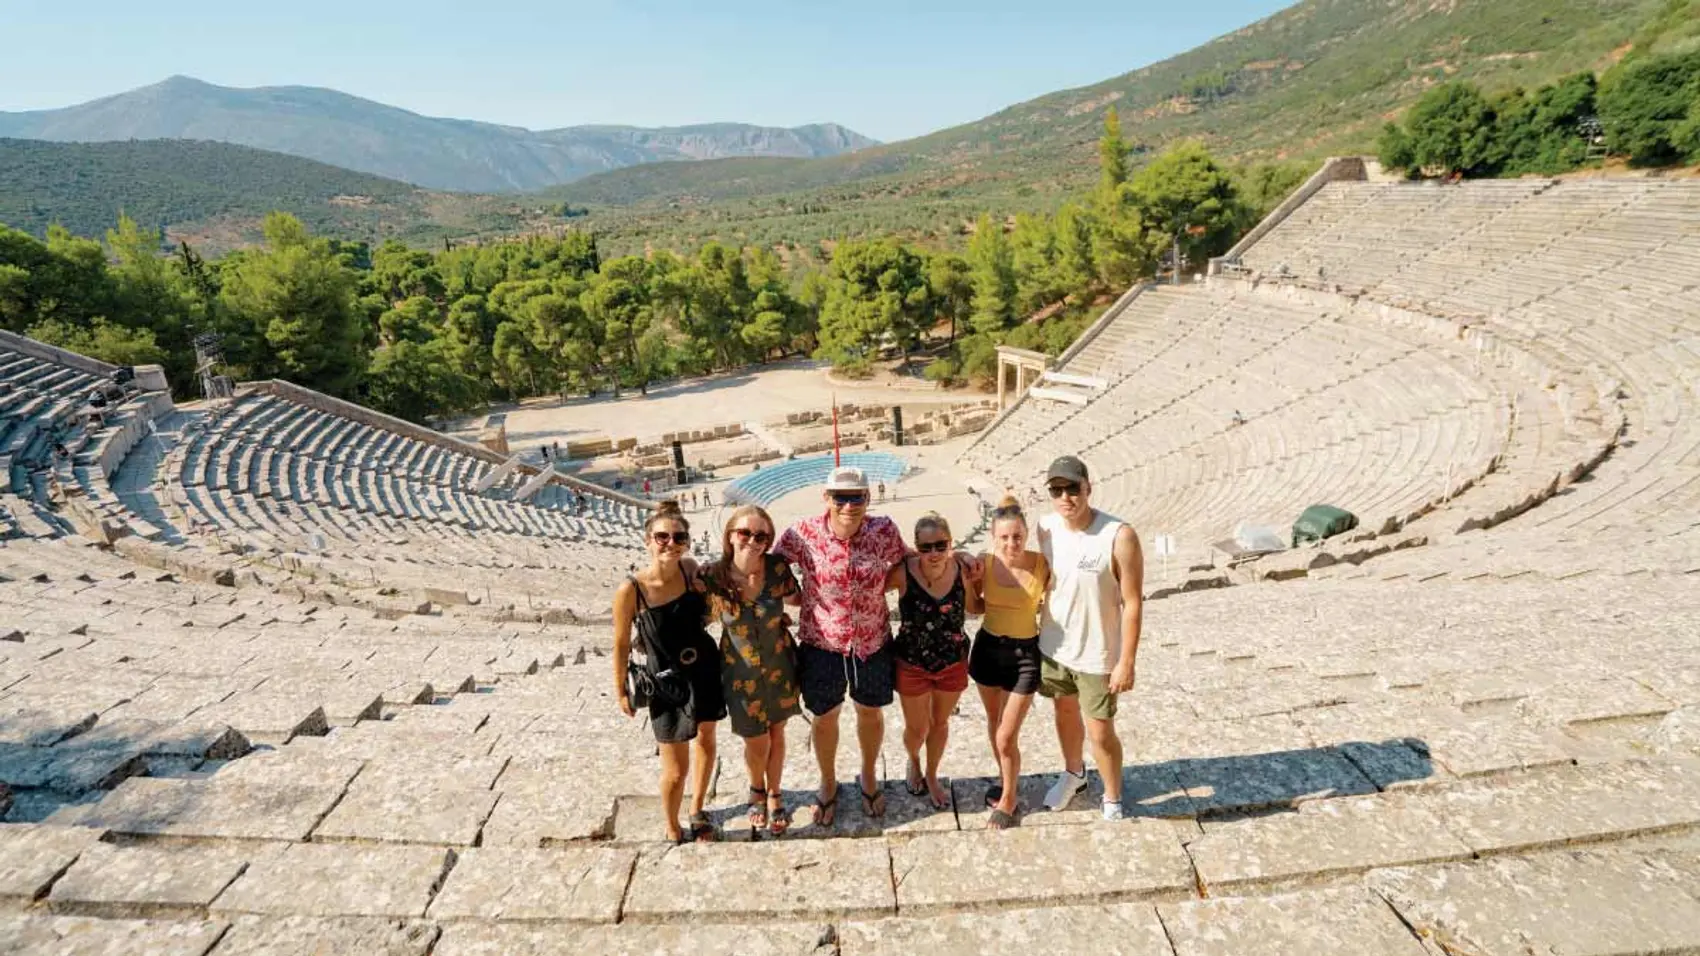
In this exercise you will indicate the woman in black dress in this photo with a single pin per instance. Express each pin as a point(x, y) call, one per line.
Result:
point(666, 602)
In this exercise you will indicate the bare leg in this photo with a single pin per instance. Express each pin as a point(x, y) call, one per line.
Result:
point(706, 749)
point(757, 751)
point(775, 759)
point(992, 698)
point(870, 733)
point(1107, 754)
point(824, 732)
point(917, 729)
point(675, 761)
point(944, 702)
point(1009, 749)
point(1071, 734)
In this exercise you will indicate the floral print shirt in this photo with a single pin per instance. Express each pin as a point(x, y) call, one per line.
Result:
point(844, 608)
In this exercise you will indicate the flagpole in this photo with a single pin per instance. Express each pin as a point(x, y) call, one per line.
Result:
point(835, 459)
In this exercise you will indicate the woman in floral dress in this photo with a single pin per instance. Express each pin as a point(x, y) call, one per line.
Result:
point(749, 589)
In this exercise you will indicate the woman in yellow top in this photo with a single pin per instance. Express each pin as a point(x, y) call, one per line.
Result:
point(1005, 659)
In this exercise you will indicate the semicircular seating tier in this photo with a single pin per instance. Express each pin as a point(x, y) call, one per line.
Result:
point(287, 483)
point(774, 482)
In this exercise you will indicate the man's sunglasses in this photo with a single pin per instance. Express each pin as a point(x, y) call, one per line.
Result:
point(676, 537)
point(933, 547)
point(1061, 488)
point(745, 534)
point(845, 499)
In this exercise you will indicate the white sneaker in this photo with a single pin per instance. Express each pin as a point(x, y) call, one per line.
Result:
point(1113, 811)
point(1068, 784)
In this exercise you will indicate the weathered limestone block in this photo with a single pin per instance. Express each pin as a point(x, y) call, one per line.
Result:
point(1256, 782)
point(548, 816)
point(33, 855)
point(376, 814)
point(209, 808)
point(299, 764)
point(800, 879)
point(151, 882)
point(1118, 929)
point(627, 939)
point(1569, 805)
point(85, 936)
point(1324, 838)
point(315, 936)
point(1568, 901)
point(266, 718)
point(1030, 866)
point(71, 767)
point(1316, 923)
point(564, 884)
point(425, 771)
point(313, 879)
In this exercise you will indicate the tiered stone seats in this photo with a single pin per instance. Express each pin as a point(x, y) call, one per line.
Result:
point(1337, 408)
point(778, 480)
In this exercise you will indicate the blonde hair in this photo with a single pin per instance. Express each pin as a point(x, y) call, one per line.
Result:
point(1008, 508)
point(932, 521)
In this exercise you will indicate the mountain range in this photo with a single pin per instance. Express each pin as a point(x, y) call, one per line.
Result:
point(447, 154)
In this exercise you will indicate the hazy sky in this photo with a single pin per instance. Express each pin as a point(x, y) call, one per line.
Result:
point(886, 68)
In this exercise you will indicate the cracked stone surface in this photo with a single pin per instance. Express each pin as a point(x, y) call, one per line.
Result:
point(564, 884)
point(659, 939)
point(85, 936)
point(319, 936)
point(788, 879)
point(146, 881)
point(1323, 838)
point(1030, 865)
point(1116, 929)
point(312, 879)
point(209, 808)
point(32, 857)
point(1585, 902)
point(1348, 922)
point(441, 817)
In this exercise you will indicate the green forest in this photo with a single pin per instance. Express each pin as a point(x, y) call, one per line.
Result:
point(425, 334)
point(1646, 111)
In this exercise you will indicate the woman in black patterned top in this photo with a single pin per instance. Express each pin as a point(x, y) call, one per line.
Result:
point(931, 649)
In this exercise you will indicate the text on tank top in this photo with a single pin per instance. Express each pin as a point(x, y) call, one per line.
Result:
point(1080, 626)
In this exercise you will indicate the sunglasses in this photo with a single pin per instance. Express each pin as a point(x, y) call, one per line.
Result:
point(933, 547)
point(676, 537)
point(845, 499)
point(745, 534)
point(1064, 488)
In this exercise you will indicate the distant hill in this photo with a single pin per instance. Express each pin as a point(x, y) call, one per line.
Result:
point(1317, 78)
point(216, 194)
point(449, 154)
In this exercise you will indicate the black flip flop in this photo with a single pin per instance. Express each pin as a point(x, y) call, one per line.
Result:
point(1002, 821)
point(702, 828)
point(909, 782)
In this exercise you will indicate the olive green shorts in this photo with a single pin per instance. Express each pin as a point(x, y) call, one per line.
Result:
point(1057, 680)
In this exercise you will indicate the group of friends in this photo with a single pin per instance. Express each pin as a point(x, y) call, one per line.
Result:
point(1059, 601)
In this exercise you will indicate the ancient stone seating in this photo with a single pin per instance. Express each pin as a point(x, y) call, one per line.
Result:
point(1383, 420)
point(207, 769)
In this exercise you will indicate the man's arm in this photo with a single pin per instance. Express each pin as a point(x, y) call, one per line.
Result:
point(1130, 574)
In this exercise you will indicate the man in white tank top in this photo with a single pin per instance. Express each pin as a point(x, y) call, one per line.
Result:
point(1089, 629)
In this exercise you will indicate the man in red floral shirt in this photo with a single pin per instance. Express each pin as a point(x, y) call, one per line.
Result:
point(844, 629)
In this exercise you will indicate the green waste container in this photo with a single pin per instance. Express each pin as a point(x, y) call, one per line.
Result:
point(1319, 522)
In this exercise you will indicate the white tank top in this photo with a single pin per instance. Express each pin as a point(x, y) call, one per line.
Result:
point(1080, 626)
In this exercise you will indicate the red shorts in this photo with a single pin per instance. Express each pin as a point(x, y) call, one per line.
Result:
point(913, 681)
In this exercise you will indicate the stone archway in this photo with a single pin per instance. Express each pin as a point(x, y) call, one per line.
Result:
point(1018, 369)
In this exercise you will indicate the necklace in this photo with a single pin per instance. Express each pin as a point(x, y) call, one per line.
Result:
point(931, 581)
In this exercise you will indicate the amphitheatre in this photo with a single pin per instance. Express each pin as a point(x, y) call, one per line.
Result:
point(281, 674)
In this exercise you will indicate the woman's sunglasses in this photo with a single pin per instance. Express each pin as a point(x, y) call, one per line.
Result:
point(676, 537)
point(745, 534)
point(933, 547)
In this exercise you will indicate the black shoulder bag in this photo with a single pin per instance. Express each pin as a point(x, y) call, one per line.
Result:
point(657, 679)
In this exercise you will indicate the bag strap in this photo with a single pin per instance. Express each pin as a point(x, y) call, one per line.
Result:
point(660, 660)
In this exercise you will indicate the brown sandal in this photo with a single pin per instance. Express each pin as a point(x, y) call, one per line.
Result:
point(758, 808)
point(1002, 821)
point(702, 828)
point(779, 818)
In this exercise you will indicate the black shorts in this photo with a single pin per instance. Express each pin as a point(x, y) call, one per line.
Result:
point(826, 675)
point(1007, 663)
point(707, 704)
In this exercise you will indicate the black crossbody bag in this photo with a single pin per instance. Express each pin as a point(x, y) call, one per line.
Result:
point(658, 679)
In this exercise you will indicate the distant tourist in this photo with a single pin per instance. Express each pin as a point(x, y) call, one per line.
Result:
point(1005, 662)
point(882, 491)
point(931, 650)
point(843, 558)
point(646, 487)
point(677, 668)
point(556, 447)
point(748, 589)
point(1238, 418)
point(545, 453)
point(1089, 632)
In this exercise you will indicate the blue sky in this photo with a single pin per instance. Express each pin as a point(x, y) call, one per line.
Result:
point(886, 68)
